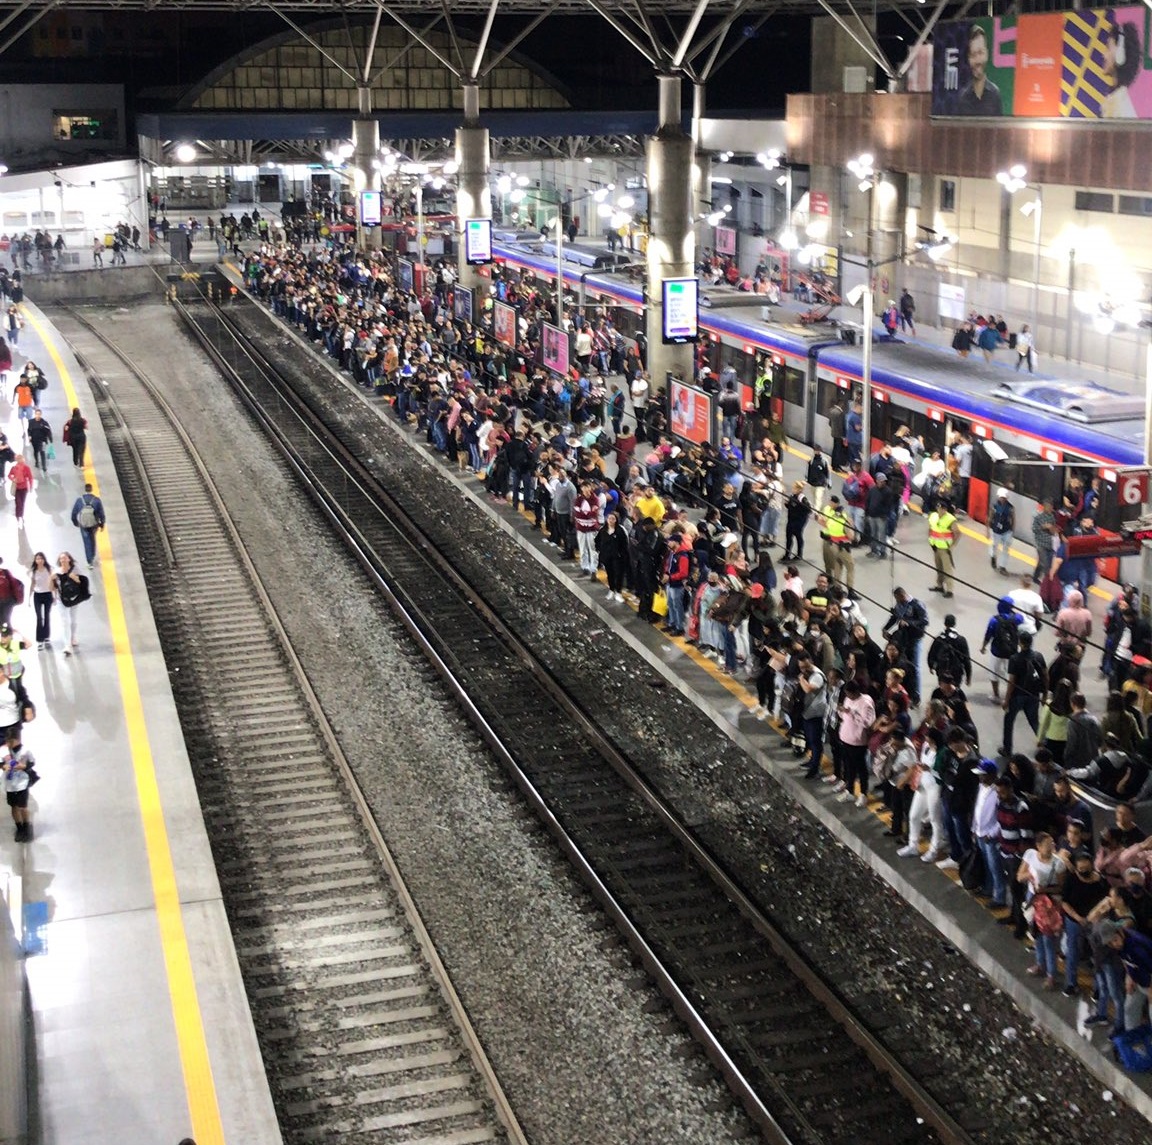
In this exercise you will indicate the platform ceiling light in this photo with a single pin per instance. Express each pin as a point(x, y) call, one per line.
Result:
point(601, 194)
point(517, 196)
point(863, 168)
point(789, 239)
point(772, 158)
point(626, 202)
point(451, 167)
point(185, 152)
point(1014, 179)
point(522, 180)
point(345, 150)
point(604, 210)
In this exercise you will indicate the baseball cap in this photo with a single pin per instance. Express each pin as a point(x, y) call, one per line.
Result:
point(985, 767)
point(1001, 493)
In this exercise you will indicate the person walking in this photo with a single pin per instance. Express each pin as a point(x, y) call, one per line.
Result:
point(942, 534)
point(88, 517)
point(24, 395)
point(42, 582)
point(40, 437)
point(1027, 687)
point(5, 361)
point(21, 478)
point(908, 312)
point(72, 589)
point(819, 477)
point(1025, 348)
point(98, 254)
point(76, 436)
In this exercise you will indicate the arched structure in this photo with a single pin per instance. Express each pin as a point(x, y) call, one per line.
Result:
point(288, 73)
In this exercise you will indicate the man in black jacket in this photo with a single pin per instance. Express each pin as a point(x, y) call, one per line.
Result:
point(949, 654)
point(521, 463)
point(818, 476)
point(1027, 687)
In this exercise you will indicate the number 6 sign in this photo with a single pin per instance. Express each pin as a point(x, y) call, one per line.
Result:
point(1132, 488)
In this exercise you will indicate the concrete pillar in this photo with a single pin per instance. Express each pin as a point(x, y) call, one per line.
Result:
point(365, 161)
point(473, 195)
point(671, 241)
point(701, 172)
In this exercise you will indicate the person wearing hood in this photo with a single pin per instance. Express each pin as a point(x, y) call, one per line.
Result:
point(1002, 635)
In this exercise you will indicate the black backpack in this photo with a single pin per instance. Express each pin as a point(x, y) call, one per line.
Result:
point(948, 659)
point(1005, 638)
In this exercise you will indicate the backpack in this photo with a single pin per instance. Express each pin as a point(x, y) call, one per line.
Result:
point(851, 489)
point(948, 659)
point(1030, 679)
point(86, 518)
point(1005, 638)
point(1001, 516)
point(72, 593)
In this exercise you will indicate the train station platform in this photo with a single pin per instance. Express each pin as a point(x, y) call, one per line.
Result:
point(730, 703)
point(118, 947)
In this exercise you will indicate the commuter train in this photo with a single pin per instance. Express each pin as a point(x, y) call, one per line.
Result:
point(1031, 434)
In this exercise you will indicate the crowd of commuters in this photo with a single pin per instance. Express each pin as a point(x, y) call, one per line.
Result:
point(46, 584)
point(687, 533)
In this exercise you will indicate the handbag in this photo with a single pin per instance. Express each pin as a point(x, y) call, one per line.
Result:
point(50, 452)
point(972, 870)
point(660, 603)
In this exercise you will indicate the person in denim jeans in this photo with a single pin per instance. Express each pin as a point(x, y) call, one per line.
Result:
point(986, 832)
point(1043, 871)
point(1083, 891)
point(814, 708)
point(1135, 952)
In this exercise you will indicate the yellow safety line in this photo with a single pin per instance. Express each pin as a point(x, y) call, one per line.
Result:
point(1019, 554)
point(203, 1107)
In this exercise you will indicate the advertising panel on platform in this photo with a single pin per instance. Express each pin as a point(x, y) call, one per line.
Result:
point(691, 411)
point(681, 310)
point(1089, 64)
point(462, 303)
point(504, 324)
point(554, 349)
point(370, 208)
point(478, 242)
point(404, 266)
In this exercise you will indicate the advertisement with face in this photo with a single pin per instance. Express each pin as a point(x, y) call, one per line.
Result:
point(554, 349)
point(504, 323)
point(691, 413)
point(972, 67)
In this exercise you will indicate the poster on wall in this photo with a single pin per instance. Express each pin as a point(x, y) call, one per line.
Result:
point(462, 303)
point(406, 275)
point(726, 240)
point(1094, 63)
point(691, 413)
point(554, 349)
point(504, 323)
point(951, 303)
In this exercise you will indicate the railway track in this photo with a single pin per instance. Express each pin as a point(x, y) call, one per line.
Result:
point(804, 1065)
point(362, 1034)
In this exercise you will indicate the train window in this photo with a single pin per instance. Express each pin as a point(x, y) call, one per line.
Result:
point(1031, 481)
point(793, 385)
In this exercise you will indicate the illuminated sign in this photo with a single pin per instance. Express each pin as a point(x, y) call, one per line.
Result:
point(405, 274)
point(681, 302)
point(462, 303)
point(478, 241)
point(370, 208)
point(690, 413)
point(554, 349)
point(504, 323)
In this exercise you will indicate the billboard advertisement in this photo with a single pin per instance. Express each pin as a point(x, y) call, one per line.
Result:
point(407, 278)
point(462, 303)
point(554, 349)
point(370, 208)
point(691, 412)
point(504, 324)
point(726, 240)
point(1089, 64)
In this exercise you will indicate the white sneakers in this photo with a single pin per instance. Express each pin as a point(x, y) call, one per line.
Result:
point(947, 865)
point(931, 856)
point(909, 852)
point(845, 796)
point(861, 800)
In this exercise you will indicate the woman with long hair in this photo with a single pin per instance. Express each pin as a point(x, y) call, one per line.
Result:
point(42, 585)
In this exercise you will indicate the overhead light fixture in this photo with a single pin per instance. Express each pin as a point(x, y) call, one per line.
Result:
point(346, 150)
point(185, 152)
point(522, 180)
point(626, 202)
point(504, 184)
point(719, 179)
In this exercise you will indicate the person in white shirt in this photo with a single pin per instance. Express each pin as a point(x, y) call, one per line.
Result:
point(640, 405)
point(986, 832)
point(1028, 603)
point(1025, 347)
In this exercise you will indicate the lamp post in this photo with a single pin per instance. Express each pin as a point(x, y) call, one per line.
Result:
point(773, 159)
point(1013, 180)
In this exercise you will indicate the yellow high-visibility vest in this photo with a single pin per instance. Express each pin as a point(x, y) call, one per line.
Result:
point(940, 534)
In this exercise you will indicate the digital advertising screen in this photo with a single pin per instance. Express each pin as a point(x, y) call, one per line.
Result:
point(681, 298)
point(554, 349)
point(407, 277)
point(691, 413)
point(1093, 63)
point(370, 208)
point(462, 303)
point(504, 323)
point(478, 241)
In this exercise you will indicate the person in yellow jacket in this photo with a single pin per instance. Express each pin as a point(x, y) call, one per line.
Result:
point(942, 537)
point(837, 533)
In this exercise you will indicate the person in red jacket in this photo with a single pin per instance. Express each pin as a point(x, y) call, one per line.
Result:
point(677, 573)
point(21, 477)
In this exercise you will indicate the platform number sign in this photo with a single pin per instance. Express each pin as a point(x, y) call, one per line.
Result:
point(1132, 488)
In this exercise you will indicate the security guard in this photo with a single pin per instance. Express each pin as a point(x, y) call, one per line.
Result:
point(837, 534)
point(942, 536)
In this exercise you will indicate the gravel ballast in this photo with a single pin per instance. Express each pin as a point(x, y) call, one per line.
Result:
point(947, 1016)
point(581, 1042)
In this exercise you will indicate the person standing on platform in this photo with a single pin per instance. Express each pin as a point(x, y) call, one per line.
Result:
point(88, 517)
point(98, 254)
point(20, 475)
point(76, 436)
point(5, 361)
point(1044, 532)
point(1025, 348)
point(837, 421)
point(72, 589)
point(42, 582)
point(40, 438)
point(640, 405)
point(18, 763)
point(797, 510)
point(819, 477)
point(942, 535)
point(837, 534)
point(854, 432)
point(1001, 526)
point(11, 594)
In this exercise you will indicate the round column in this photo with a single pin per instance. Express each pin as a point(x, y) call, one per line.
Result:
point(671, 241)
point(701, 173)
point(473, 194)
point(365, 160)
